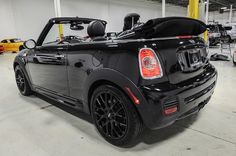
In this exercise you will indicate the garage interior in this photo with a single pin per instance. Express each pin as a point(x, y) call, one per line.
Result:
point(37, 126)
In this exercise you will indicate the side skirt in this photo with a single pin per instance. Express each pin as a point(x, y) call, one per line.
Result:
point(65, 100)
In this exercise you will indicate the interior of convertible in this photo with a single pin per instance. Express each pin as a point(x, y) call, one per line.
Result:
point(83, 31)
point(88, 30)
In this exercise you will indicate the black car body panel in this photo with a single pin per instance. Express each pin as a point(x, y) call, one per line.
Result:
point(69, 73)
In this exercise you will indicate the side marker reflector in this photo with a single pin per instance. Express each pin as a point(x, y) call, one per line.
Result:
point(170, 111)
point(136, 100)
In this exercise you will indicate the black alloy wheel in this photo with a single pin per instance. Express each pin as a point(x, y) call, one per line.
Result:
point(115, 116)
point(110, 115)
point(22, 82)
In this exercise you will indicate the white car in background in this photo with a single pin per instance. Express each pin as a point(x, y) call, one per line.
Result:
point(232, 33)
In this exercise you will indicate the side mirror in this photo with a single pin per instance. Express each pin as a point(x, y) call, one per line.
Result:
point(30, 44)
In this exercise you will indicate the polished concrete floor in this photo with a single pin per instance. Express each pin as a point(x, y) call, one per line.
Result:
point(35, 126)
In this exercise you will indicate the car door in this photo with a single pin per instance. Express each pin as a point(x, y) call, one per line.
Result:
point(233, 32)
point(47, 66)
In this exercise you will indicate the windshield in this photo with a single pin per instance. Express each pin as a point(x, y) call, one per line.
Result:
point(67, 33)
point(15, 40)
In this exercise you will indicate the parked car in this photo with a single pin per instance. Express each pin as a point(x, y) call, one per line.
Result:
point(13, 45)
point(1, 49)
point(231, 31)
point(214, 34)
point(151, 74)
point(217, 34)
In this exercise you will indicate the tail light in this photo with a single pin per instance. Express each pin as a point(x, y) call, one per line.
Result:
point(149, 64)
point(170, 111)
point(184, 37)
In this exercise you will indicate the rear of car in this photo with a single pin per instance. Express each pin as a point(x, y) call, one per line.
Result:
point(177, 79)
point(1, 49)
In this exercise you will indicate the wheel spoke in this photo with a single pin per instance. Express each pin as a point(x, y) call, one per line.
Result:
point(101, 117)
point(110, 115)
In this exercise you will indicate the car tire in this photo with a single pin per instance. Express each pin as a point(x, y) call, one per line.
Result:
point(22, 82)
point(21, 48)
point(229, 39)
point(115, 116)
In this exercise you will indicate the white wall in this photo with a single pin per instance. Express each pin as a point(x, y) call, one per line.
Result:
point(26, 18)
point(114, 11)
point(221, 18)
point(7, 25)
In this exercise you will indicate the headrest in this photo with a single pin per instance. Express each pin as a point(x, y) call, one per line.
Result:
point(130, 20)
point(95, 29)
point(131, 16)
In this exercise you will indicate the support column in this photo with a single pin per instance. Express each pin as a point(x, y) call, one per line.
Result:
point(206, 20)
point(163, 8)
point(230, 13)
point(57, 6)
point(194, 9)
point(207, 12)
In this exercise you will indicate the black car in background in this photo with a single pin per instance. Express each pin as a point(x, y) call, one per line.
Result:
point(150, 74)
point(217, 33)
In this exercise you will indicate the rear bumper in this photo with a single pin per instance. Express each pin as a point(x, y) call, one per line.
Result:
point(189, 97)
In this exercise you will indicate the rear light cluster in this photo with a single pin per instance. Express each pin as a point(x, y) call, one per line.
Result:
point(150, 67)
point(1, 48)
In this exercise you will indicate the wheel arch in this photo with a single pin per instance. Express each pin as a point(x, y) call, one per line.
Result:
point(19, 61)
point(114, 78)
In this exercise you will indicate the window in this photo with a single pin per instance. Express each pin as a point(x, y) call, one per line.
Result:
point(4, 41)
point(76, 33)
point(15, 40)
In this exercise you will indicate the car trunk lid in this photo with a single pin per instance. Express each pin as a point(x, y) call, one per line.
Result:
point(184, 62)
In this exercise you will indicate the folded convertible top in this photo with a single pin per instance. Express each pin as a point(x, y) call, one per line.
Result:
point(169, 27)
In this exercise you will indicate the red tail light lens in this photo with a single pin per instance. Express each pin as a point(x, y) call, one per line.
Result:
point(170, 111)
point(150, 67)
point(188, 36)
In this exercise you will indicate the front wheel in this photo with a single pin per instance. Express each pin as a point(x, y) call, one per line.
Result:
point(22, 82)
point(21, 48)
point(234, 59)
point(114, 116)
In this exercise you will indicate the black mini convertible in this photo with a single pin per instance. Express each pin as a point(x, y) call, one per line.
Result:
point(150, 74)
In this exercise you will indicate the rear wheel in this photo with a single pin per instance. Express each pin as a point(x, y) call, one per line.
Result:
point(22, 82)
point(228, 39)
point(234, 63)
point(234, 59)
point(114, 116)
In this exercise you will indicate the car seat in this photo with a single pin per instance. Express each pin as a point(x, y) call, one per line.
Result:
point(96, 31)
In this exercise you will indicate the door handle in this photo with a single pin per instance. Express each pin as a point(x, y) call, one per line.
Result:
point(60, 48)
point(60, 56)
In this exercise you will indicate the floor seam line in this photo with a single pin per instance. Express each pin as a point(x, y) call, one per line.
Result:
point(213, 136)
point(14, 115)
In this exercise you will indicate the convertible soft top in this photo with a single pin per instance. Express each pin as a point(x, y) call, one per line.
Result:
point(169, 27)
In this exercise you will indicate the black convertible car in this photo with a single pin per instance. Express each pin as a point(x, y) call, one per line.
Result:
point(150, 74)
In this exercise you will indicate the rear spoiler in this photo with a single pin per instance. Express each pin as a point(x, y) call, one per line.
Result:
point(170, 27)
